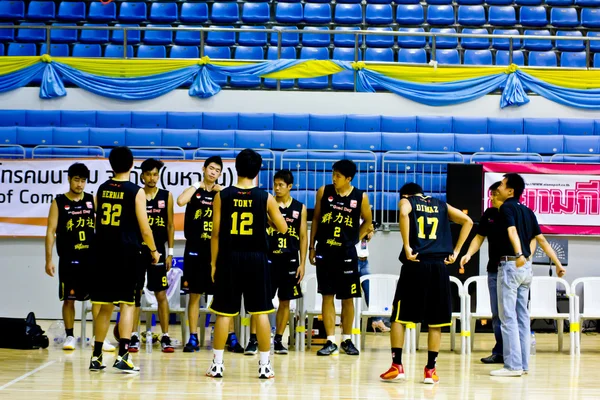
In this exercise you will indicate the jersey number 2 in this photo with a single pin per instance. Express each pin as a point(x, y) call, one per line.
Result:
point(111, 214)
point(245, 222)
point(431, 221)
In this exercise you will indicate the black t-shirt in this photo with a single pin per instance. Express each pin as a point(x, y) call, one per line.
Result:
point(116, 220)
point(288, 242)
point(521, 217)
point(492, 226)
point(340, 219)
point(75, 226)
point(198, 218)
point(158, 217)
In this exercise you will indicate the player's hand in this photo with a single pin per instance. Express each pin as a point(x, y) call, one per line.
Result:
point(370, 235)
point(155, 257)
point(50, 268)
point(300, 273)
point(169, 262)
point(217, 187)
point(312, 257)
point(202, 185)
point(465, 260)
point(213, 270)
point(521, 261)
point(451, 259)
point(560, 271)
point(409, 254)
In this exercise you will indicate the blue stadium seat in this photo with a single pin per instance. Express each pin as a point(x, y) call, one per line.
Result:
point(292, 38)
point(449, 56)
point(317, 13)
point(220, 38)
point(529, 2)
point(289, 140)
point(439, 2)
point(184, 138)
point(540, 126)
point(502, 16)
point(380, 40)
point(542, 59)
point(398, 124)
point(255, 12)
point(41, 11)
point(163, 12)
point(590, 17)
point(94, 36)
point(382, 55)
point(444, 42)
point(471, 15)
point(21, 49)
point(469, 143)
point(187, 38)
point(7, 35)
point(253, 139)
point(440, 15)
point(184, 52)
point(398, 141)
point(537, 44)
point(212, 120)
point(550, 144)
point(504, 44)
point(99, 12)
point(533, 16)
point(363, 123)
point(78, 119)
point(252, 38)
point(86, 50)
point(148, 119)
point(436, 142)
point(325, 140)
point(594, 45)
point(587, 3)
point(247, 53)
point(409, 14)
point(379, 14)
point(289, 13)
point(317, 53)
point(1, 49)
point(478, 57)
point(475, 43)
point(184, 120)
point(509, 144)
point(597, 60)
point(225, 12)
point(573, 59)
point(56, 50)
point(255, 121)
point(196, 13)
point(63, 35)
point(470, 2)
point(133, 37)
point(34, 136)
point(216, 138)
point(71, 136)
point(475, 125)
point(216, 52)
point(576, 126)
point(412, 41)
point(363, 141)
point(564, 17)
point(132, 12)
point(560, 3)
point(116, 51)
point(348, 14)
point(291, 122)
point(113, 119)
point(315, 40)
point(12, 10)
point(71, 11)
point(341, 40)
point(158, 37)
point(143, 137)
point(107, 137)
point(581, 144)
point(434, 124)
point(502, 58)
point(326, 123)
point(42, 118)
point(415, 56)
point(505, 126)
point(286, 53)
point(31, 35)
point(8, 135)
point(343, 80)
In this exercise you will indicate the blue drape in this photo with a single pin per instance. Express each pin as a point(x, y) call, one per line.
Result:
point(20, 78)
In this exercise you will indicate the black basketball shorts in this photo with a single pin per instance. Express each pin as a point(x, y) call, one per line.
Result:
point(337, 272)
point(196, 269)
point(116, 273)
point(284, 268)
point(74, 278)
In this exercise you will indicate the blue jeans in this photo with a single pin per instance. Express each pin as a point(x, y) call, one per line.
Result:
point(496, 325)
point(513, 294)
point(363, 269)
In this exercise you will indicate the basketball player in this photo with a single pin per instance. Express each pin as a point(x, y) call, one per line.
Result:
point(159, 206)
point(120, 222)
point(239, 249)
point(336, 227)
point(287, 269)
point(423, 291)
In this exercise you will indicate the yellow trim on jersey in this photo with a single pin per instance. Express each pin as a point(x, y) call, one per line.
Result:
point(130, 303)
point(222, 314)
point(62, 291)
point(101, 303)
point(397, 319)
point(440, 325)
point(262, 312)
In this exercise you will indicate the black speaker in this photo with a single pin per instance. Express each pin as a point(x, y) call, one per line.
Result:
point(464, 188)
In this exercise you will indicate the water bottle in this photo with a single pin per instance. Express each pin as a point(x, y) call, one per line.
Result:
point(57, 333)
point(85, 343)
point(533, 343)
point(149, 342)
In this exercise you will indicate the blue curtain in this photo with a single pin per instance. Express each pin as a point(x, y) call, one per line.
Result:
point(513, 93)
point(20, 78)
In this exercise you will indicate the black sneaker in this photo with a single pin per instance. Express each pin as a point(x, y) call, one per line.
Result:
point(124, 364)
point(329, 349)
point(134, 345)
point(251, 348)
point(493, 359)
point(192, 345)
point(166, 345)
point(96, 364)
point(279, 348)
point(349, 348)
point(233, 346)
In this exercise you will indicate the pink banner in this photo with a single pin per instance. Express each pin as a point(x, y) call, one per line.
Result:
point(564, 197)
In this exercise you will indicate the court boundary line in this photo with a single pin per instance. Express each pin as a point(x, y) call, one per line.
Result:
point(26, 375)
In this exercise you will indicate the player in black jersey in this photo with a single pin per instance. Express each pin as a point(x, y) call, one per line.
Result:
point(287, 268)
point(239, 250)
point(159, 206)
point(336, 228)
point(121, 226)
point(72, 219)
point(423, 291)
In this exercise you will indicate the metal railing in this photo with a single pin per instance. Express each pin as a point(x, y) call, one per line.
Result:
point(67, 151)
point(575, 158)
point(164, 152)
point(18, 151)
point(488, 156)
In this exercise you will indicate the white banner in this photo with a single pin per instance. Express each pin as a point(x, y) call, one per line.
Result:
point(28, 187)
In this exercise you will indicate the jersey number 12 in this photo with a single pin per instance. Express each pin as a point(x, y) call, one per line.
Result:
point(244, 221)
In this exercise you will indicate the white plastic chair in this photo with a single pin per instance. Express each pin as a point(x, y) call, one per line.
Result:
point(591, 307)
point(86, 307)
point(382, 288)
point(543, 302)
point(291, 319)
point(312, 303)
point(459, 314)
point(483, 308)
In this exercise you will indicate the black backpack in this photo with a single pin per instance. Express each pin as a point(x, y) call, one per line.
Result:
point(22, 334)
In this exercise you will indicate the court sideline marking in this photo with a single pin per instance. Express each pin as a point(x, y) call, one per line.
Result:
point(28, 374)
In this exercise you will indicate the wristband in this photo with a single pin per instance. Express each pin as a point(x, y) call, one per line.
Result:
point(196, 185)
point(519, 255)
point(153, 251)
point(170, 252)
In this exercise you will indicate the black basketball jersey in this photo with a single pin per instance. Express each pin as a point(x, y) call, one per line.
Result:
point(116, 221)
point(158, 216)
point(429, 228)
point(243, 220)
point(340, 218)
point(75, 228)
point(198, 218)
point(288, 242)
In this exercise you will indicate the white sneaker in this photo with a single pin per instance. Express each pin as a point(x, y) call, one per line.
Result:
point(107, 346)
point(70, 343)
point(215, 370)
point(506, 372)
point(265, 371)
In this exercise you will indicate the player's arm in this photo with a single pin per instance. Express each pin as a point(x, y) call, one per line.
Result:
point(459, 217)
point(303, 243)
point(51, 237)
point(142, 218)
point(315, 225)
point(367, 217)
point(541, 240)
point(186, 196)
point(214, 238)
point(405, 210)
point(170, 232)
point(275, 215)
point(473, 249)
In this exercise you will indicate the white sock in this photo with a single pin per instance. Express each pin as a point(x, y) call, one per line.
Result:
point(331, 338)
point(264, 357)
point(218, 356)
point(346, 337)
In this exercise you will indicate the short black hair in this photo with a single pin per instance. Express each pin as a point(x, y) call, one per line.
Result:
point(248, 163)
point(515, 182)
point(150, 164)
point(495, 186)
point(214, 159)
point(121, 159)
point(410, 189)
point(80, 170)
point(346, 168)
point(285, 175)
